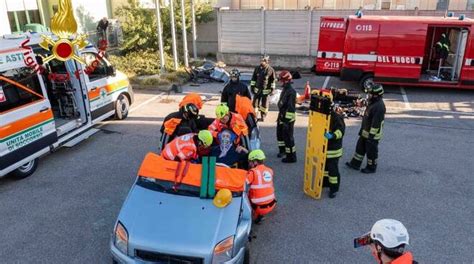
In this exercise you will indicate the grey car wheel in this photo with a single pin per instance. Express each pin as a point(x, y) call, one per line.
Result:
point(122, 106)
point(25, 170)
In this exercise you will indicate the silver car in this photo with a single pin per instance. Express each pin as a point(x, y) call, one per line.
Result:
point(159, 225)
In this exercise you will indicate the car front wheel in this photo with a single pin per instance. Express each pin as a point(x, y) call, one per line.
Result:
point(122, 106)
point(25, 170)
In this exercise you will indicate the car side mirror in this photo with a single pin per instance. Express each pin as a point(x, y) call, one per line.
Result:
point(111, 70)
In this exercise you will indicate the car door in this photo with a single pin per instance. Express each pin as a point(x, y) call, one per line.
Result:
point(103, 85)
point(26, 119)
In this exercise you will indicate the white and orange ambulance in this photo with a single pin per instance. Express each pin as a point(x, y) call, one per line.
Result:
point(56, 104)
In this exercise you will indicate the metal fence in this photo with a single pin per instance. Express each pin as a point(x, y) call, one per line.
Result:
point(284, 32)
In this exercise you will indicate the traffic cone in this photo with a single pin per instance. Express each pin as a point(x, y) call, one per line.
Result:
point(307, 91)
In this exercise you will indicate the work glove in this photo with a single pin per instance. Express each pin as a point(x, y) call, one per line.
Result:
point(328, 135)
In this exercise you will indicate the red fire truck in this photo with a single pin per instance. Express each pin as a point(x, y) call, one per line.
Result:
point(398, 50)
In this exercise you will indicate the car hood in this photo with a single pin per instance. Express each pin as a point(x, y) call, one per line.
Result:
point(175, 224)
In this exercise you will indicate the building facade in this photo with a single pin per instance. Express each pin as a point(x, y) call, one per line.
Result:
point(15, 14)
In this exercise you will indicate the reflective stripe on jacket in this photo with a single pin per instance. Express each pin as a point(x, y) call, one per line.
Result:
point(237, 125)
point(182, 148)
point(260, 179)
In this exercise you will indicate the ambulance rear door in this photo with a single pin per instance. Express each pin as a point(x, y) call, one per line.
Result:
point(400, 52)
point(27, 127)
point(332, 32)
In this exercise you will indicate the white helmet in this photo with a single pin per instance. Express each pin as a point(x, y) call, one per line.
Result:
point(390, 233)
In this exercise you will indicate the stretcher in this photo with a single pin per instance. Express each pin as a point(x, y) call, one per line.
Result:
point(316, 143)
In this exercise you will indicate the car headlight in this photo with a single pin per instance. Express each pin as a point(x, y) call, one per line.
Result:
point(121, 238)
point(223, 250)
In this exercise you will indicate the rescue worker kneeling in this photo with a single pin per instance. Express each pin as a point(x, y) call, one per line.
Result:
point(262, 192)
point(228, 120)
point(188, 147)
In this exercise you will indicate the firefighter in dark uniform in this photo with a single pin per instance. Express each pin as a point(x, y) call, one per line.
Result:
point(286, 119)
point(370, 132)
point(234, 88)
point(262, 85)
point(334, 136)
point(179, 123)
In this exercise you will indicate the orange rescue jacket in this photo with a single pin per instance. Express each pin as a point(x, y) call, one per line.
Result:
point(181, 148)
point(237, 125)
point(260, 179)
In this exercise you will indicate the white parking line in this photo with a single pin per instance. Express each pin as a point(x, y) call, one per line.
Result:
point(146, 102)
point(405, 98)
point(326, 81)
point(134, 108)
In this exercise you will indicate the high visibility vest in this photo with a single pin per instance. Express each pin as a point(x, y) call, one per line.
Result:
point(182, 147)
point(171, 124)
point(237, 125)
point(261, 191)
point(406, 258)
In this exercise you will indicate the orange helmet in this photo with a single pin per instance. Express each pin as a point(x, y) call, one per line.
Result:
point(285, 76)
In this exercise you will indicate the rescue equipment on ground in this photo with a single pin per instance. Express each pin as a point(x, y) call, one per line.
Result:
point(316, 144)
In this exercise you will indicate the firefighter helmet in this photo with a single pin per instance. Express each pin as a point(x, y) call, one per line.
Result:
point(257, 154)
point(222, 198)
point(222, 110)
point(235, 73)
point(285, 76)
point(205, 137)
point(389, 233)
point(377, 89)
point(191, 110)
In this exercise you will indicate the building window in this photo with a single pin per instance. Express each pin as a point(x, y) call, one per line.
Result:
point(22, 12)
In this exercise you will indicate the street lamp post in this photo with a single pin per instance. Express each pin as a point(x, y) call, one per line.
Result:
point(185, 40)
point(173, 36)
point(193, 21)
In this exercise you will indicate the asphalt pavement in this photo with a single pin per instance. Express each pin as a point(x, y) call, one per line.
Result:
point(65, 212)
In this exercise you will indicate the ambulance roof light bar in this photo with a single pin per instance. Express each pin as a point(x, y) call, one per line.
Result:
point(359, 13)
point(461, 17)
point(450, 14)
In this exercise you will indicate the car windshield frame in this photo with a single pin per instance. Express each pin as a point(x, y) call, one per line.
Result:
point(167, 187)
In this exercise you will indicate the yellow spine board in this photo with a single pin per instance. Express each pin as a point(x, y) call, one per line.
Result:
point(316, 147)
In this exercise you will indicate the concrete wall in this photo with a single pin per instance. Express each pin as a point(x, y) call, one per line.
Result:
point(342, 4)
point(290, 37)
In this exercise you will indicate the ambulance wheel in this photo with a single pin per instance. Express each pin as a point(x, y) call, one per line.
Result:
point(122, 106)
point(25, 170)
point(366, 82)
point(247, 255)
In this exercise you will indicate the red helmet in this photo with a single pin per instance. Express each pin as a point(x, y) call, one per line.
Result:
point(285, 76)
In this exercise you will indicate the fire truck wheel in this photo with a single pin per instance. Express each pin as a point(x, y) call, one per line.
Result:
point(26, 170)
point(122, 106)
point(366, 82)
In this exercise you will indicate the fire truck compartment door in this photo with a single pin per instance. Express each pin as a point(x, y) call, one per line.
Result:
point(400, 52)
point(467, 72)
point(332, 32)
point(361, 45)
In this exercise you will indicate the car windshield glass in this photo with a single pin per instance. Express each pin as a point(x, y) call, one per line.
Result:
point(167, 187)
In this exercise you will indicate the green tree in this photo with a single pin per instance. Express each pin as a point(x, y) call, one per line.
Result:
point(139, 24)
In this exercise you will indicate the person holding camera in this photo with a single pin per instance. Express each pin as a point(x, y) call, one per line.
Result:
point(387, 241)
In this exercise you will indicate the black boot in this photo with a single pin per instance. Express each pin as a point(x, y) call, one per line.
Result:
point(352, 166)
point(369, 169)
point(281, 152)
point(332, 194)
point(290, 158)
